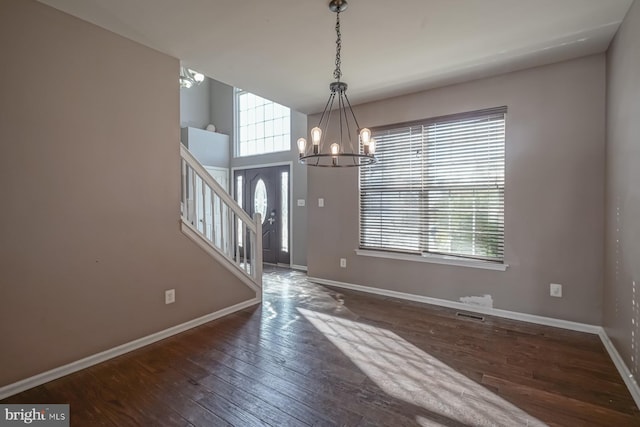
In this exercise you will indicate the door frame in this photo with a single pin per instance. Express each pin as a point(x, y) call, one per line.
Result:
point(291, 204)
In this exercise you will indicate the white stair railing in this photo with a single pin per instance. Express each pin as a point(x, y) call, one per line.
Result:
point(218, 224)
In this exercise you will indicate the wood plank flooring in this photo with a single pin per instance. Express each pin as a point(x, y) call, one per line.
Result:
point(315, 356)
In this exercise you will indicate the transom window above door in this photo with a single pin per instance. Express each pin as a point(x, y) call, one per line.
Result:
point(262, 126)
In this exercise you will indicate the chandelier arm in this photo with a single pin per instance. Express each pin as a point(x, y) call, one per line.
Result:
point(340, 113)
point(351, 109)
point(346, 121)
point(326, 125)
point(325, 110)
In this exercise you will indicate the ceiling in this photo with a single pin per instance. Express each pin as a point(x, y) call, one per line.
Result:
point(284, 50)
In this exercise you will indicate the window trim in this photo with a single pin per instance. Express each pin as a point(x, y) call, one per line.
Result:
point(433, 257)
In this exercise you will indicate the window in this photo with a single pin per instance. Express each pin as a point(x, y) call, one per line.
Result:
point(260, 201)
point(284, 210)
point(438, 187)
point(262, 126)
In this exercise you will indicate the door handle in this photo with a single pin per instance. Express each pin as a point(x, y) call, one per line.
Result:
point(272, 217)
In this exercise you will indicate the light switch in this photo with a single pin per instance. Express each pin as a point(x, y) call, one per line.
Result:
point(555, 290)
point(170, 296)
point(321, 203)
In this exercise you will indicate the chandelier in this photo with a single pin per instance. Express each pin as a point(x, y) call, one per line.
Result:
point(189, 78)
point(342, 152)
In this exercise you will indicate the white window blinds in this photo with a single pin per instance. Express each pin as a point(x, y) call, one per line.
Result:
point(438, 187)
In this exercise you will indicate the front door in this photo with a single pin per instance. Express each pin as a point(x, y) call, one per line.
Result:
point(266, 191)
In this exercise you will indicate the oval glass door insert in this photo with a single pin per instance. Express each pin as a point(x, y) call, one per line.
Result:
point(260, 200)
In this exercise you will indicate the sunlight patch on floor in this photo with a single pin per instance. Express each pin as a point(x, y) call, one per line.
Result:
point(405, 372)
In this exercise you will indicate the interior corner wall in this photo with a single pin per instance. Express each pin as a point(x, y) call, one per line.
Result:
point(195, 109)
point(90, 180)
point(554, 195)
point(622, 244)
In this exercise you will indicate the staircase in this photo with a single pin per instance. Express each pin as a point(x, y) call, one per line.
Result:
point(213, 220)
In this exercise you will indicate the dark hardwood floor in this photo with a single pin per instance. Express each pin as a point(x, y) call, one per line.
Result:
point(311, 355)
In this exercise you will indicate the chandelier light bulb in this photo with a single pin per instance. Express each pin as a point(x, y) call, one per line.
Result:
point(316, 134)
point(302, 145)
point(365, 135)
point(372, 146)
point(335, 150)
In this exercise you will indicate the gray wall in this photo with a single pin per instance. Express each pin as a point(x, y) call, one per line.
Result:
point(554, 195)
point(209, 148)
point(90, 180)
point(195, 108)
point(221, 99)
point(622, 246)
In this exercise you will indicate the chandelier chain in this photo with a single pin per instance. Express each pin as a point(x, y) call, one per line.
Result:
point(337, 73)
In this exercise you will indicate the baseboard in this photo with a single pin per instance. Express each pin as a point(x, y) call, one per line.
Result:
point(624, 371)
point(531, 318)
point(86, 362)
point(299, 267)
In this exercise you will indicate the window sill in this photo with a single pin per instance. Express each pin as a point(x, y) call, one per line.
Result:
point(436, 259)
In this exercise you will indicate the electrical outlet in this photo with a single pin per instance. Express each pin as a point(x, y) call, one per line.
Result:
point(170, 296)
point(343, 262)
point(555, 290)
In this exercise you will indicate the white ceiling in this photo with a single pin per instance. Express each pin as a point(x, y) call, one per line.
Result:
point(284, 50)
